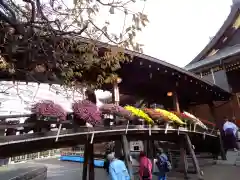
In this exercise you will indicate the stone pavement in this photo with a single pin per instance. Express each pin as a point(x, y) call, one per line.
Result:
point(58, 170)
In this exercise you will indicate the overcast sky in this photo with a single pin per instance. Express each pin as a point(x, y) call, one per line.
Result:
point(180, 29)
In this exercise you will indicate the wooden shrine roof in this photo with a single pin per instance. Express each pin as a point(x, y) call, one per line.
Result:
point(227, 35)
point(226, 55)
point(151, 78)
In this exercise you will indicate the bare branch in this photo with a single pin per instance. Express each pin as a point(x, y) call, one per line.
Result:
point(33, 17)
point(49, 40)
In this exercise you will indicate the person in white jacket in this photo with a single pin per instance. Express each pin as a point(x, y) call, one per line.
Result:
point(230, 133)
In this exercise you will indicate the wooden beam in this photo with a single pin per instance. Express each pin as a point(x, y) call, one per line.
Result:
point(91, 173)
point(176, 102)
point(183, 158)
point(126, 152)
point(194, 158)
point(213, 113)
point(85, 163)
point(222, 151)
point(118, 149)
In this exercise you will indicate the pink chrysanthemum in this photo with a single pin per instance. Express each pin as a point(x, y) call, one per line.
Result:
point(49, 109)
point(87, 111)
point(116, 110)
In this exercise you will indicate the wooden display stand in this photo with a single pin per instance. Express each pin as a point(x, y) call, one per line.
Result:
point(222, 152)
point(126, 151)
point(88, 165)
point(186, 143)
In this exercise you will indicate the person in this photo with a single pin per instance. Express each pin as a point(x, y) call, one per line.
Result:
point(230, 132)
point(106, 161)
point(163, 164)
point(117, 169)
point(145, 167)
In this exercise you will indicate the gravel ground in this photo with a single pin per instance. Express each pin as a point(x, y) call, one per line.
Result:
point(58, 170)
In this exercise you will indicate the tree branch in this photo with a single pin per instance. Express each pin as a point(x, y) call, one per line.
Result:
point(5, 6)
point(33, 17)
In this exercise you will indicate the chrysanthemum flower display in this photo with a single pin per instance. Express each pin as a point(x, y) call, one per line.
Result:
point(156, 116)
point(116, 110)
point(139, 113)
point(49, 109)
point(196, 120)
point(170, 115)
point(87, 111)
point(183, 117)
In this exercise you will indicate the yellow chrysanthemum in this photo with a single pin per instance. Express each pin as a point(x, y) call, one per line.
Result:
point(170, 115)
point(139, 113)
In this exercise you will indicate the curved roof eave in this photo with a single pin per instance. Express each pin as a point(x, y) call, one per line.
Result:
point(214, 59)
point(176, 68)
point(155, 60)
point(219, 34)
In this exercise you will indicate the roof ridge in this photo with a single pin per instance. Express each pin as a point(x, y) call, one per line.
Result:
point(235, 8)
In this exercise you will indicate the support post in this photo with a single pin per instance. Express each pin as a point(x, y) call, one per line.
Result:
point(151, 149)
point(91, 173)
point(183, 158)
point(118, 148)
point(116, 99)
point(126, 151)
point(212, 111)
point(194, 158)
point(176, 102)
point(146, 147)
point(85, 163)
point(213, 77)
point(222, 151)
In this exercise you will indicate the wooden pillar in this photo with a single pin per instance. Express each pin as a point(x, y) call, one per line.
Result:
point(183, 158)
point(151, 149)
point(115, 99)
point(213, 77)
point(126, 152)
point(183, 154)
point(118, 149)
point(85, 163)
point(147, 147)
point(154, 149)
point(222, 151)
point(176, 102)
point(213, 113)
point(194, 158)
point(91, 173)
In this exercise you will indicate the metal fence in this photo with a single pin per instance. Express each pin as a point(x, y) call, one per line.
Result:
point(32, 156)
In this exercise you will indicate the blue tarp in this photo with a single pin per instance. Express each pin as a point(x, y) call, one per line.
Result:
point(97, 162)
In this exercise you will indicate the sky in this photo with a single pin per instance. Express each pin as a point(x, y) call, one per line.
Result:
point(180, 29)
